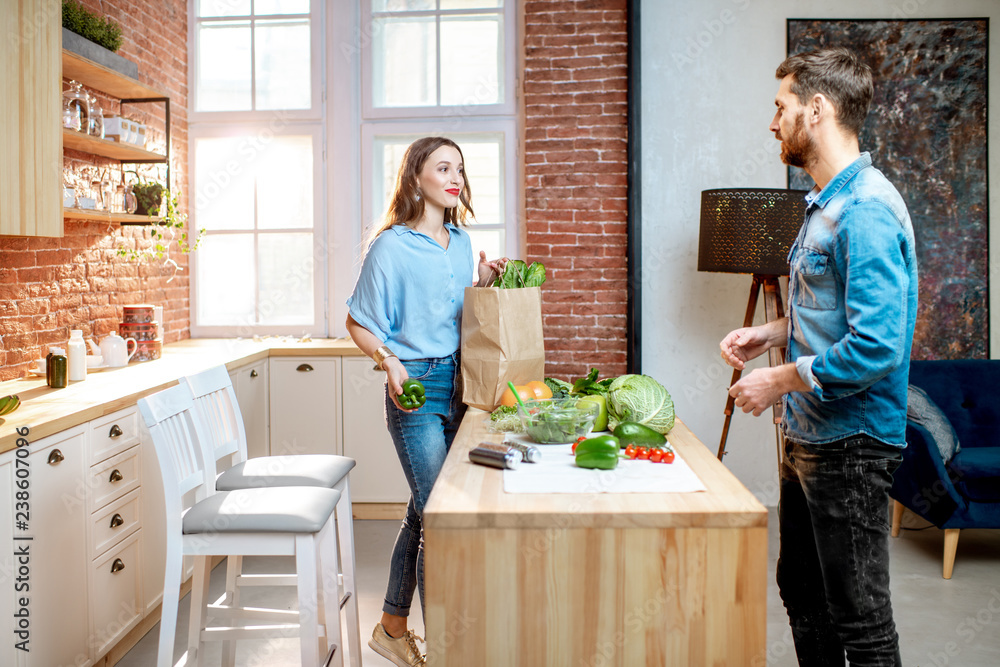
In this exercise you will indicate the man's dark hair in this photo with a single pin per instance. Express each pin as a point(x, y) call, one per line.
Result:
point(838, 74)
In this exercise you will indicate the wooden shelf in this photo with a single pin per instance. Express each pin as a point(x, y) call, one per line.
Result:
point(107, 80)
point(104, 216)
point(112, 149)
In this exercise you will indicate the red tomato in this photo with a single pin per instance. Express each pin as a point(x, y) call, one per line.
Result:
point(642, 453)
point(578, 441)
point(655, 455)
point(668, 456)
point(630, 452)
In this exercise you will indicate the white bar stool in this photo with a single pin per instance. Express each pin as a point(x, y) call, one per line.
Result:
point(279, 522)
point(215, 402)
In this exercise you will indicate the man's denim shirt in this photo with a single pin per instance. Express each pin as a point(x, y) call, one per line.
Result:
point(852, 297)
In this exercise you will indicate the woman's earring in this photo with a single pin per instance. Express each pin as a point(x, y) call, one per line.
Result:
point(418, 195)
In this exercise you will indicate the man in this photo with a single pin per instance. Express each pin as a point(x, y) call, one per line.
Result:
point(852, 303)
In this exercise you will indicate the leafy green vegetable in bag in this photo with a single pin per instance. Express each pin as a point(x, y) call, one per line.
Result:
point(534, 276)
point(518, 274)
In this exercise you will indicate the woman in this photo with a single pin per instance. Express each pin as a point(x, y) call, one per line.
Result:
point(406, 313)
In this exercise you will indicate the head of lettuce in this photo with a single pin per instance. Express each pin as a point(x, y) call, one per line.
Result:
point(640, 399)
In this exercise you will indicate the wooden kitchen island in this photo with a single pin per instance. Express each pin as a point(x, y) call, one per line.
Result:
point(675, 579)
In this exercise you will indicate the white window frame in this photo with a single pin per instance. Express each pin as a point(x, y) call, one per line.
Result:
point(316, 84)
point(319, 325)
point(207, 124)
point(350, 110)
point(508, 57)
point(506, 127)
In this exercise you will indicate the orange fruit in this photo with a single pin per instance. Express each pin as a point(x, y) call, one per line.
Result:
point(540, 389)
point(507, 398)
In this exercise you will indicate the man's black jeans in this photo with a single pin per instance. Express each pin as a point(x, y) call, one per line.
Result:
point(833, 564)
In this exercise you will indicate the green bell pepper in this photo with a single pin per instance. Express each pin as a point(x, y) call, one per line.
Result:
point(413, 394)
point(599, 452)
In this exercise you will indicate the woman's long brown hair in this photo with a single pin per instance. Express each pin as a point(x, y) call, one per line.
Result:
point(405, 206)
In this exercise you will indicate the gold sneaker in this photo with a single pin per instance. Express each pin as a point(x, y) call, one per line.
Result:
point(401, 651)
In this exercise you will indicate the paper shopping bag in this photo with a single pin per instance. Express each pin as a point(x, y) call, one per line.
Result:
point(501, 341)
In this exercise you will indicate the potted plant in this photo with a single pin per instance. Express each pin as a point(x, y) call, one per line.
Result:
point(148, 197)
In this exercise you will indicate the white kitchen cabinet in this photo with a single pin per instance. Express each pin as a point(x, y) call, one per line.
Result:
point(378, 476)
point(251, 386)
point(59, 558)
point(305, 405)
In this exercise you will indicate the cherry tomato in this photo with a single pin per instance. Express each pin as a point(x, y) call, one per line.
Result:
point(578, 441)
point(668, 456)
point(642, 453)
point(655, 455)
point(630, 452)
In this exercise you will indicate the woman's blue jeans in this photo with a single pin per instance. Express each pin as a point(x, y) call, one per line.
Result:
point(833, 562)
point(422, 440)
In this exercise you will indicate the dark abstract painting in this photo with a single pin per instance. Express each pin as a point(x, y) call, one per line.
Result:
point(926, 132)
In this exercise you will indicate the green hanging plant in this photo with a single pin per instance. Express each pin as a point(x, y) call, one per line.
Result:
point(168, 224)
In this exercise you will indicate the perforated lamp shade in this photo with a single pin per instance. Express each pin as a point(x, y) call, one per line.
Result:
point(748, 230)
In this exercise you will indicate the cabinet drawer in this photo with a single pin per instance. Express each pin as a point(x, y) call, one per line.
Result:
point(114, 594)
point(113, 433)
point(115, 521)
point(113, 478)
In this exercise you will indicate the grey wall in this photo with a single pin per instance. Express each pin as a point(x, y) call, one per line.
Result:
point(707, 99)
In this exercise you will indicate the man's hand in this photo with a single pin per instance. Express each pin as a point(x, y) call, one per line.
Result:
point(744, 344)
point(763, 387)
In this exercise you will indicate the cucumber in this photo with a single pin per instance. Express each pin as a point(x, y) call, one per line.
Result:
point(630, 433)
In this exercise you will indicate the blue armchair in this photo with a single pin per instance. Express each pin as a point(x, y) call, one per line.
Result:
point(963, 491)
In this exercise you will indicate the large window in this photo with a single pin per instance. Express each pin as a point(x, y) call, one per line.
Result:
point(300, 111)
point(256, 156)
point(444, 67)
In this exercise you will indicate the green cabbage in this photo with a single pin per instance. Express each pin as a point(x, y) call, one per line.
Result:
point(640, 399)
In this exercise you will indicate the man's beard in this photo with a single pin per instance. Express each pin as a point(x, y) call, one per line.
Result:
point(798, 150)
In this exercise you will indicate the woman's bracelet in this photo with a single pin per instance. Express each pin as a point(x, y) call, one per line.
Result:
point(381, 355)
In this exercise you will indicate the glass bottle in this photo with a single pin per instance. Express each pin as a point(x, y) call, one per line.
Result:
point(55, 368)
point(76, 109)
point(95, 118)
point(130, 201)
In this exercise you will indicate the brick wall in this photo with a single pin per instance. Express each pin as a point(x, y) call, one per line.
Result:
point(576, 178)
point(51, 285)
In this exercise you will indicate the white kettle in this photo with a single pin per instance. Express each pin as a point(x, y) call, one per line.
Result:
point(117, 351)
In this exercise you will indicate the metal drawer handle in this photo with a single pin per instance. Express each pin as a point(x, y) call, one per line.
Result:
point(55, 456)
point(116, 476)
point(253, 373)
point(117, 566)
point(117, 520)
point(115, 431)
point(305, 368)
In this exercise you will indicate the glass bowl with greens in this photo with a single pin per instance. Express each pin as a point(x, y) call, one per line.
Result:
point(558, 420)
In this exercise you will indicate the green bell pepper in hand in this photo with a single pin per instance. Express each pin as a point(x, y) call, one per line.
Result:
point(413, 395)
point(600, 452)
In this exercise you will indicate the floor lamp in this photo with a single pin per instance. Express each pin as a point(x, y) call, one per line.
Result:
point(751, 231)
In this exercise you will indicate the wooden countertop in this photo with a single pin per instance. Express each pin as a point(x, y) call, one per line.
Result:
point(46, 411)
point(467, 495)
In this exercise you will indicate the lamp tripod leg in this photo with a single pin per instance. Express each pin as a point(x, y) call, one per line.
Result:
point(755, 286)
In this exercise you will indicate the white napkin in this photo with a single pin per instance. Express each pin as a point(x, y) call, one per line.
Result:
point(557, 473)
